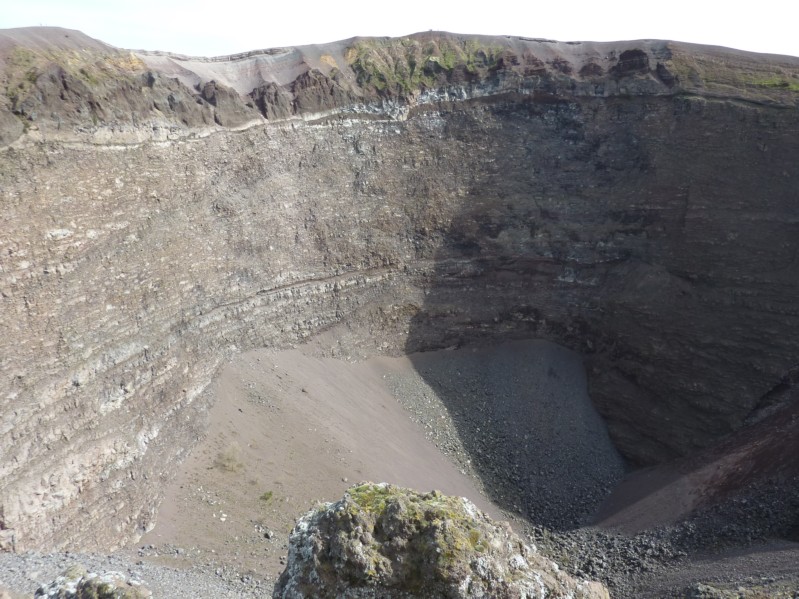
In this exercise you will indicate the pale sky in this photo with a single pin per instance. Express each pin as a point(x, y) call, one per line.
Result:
point(213, 28)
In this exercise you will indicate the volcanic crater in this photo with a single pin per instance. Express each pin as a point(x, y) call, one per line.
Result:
point(557, 278)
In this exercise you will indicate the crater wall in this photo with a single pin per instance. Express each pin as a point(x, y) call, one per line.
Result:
point(641, 212)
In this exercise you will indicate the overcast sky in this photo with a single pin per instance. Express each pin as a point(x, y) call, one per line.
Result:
point(212, 28)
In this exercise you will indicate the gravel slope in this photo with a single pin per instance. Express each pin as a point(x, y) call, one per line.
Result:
point(518, 417)
point(511, 427)
point(294, 427)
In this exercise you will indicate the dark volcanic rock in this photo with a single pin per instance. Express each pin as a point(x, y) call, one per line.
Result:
point(229, 109)
point(314, 91)
point(272, 101)
point(631, 62)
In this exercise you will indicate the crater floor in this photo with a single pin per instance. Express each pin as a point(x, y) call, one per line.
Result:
point(510, 426)
point(291, 428)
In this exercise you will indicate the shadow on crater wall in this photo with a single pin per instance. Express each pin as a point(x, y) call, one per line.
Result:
point(531, 432)
point(648, 237)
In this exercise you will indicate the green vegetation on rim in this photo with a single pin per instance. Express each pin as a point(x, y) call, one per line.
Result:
point(751, 79)
point(23, 67)
point(777, 81)
point(406, 64)
point(21, 73)
point(445, 532)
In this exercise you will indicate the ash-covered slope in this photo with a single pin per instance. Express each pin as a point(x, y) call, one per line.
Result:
point(633, 200)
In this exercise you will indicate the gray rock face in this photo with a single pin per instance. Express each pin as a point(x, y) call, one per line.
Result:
point(633, 201)
point(388, 542)
point(10, 128)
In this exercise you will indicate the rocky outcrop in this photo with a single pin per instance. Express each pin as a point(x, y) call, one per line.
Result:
point(61, 84)
point(385, 541)
point(77, 583)
point(633, 201)
point(230, 110)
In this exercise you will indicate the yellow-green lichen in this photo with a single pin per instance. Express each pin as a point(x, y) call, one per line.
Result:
point(74, 572)
point(371, 498)
point(23, 67)
point(439, 528)
point(736, 75)
point(406, 64)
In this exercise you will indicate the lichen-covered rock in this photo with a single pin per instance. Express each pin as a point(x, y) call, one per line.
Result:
point(385, 541)
point(77, 583)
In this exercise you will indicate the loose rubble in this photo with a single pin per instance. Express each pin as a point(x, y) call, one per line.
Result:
point(498, 413)
point(24, 573)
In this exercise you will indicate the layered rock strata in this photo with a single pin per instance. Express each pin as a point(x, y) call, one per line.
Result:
point(634, 201)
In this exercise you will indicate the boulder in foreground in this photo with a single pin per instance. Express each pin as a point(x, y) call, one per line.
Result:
point(382, 541)
point(77, 583)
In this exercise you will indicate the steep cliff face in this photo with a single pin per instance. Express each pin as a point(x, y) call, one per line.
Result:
point(634, 201)
point(663, 249)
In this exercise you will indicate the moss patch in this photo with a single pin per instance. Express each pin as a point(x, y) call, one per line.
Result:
point(735, 75)
point(389, 541)
point(229, 459)
point(403, 65)
point(440, 534)
point(23, 67)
